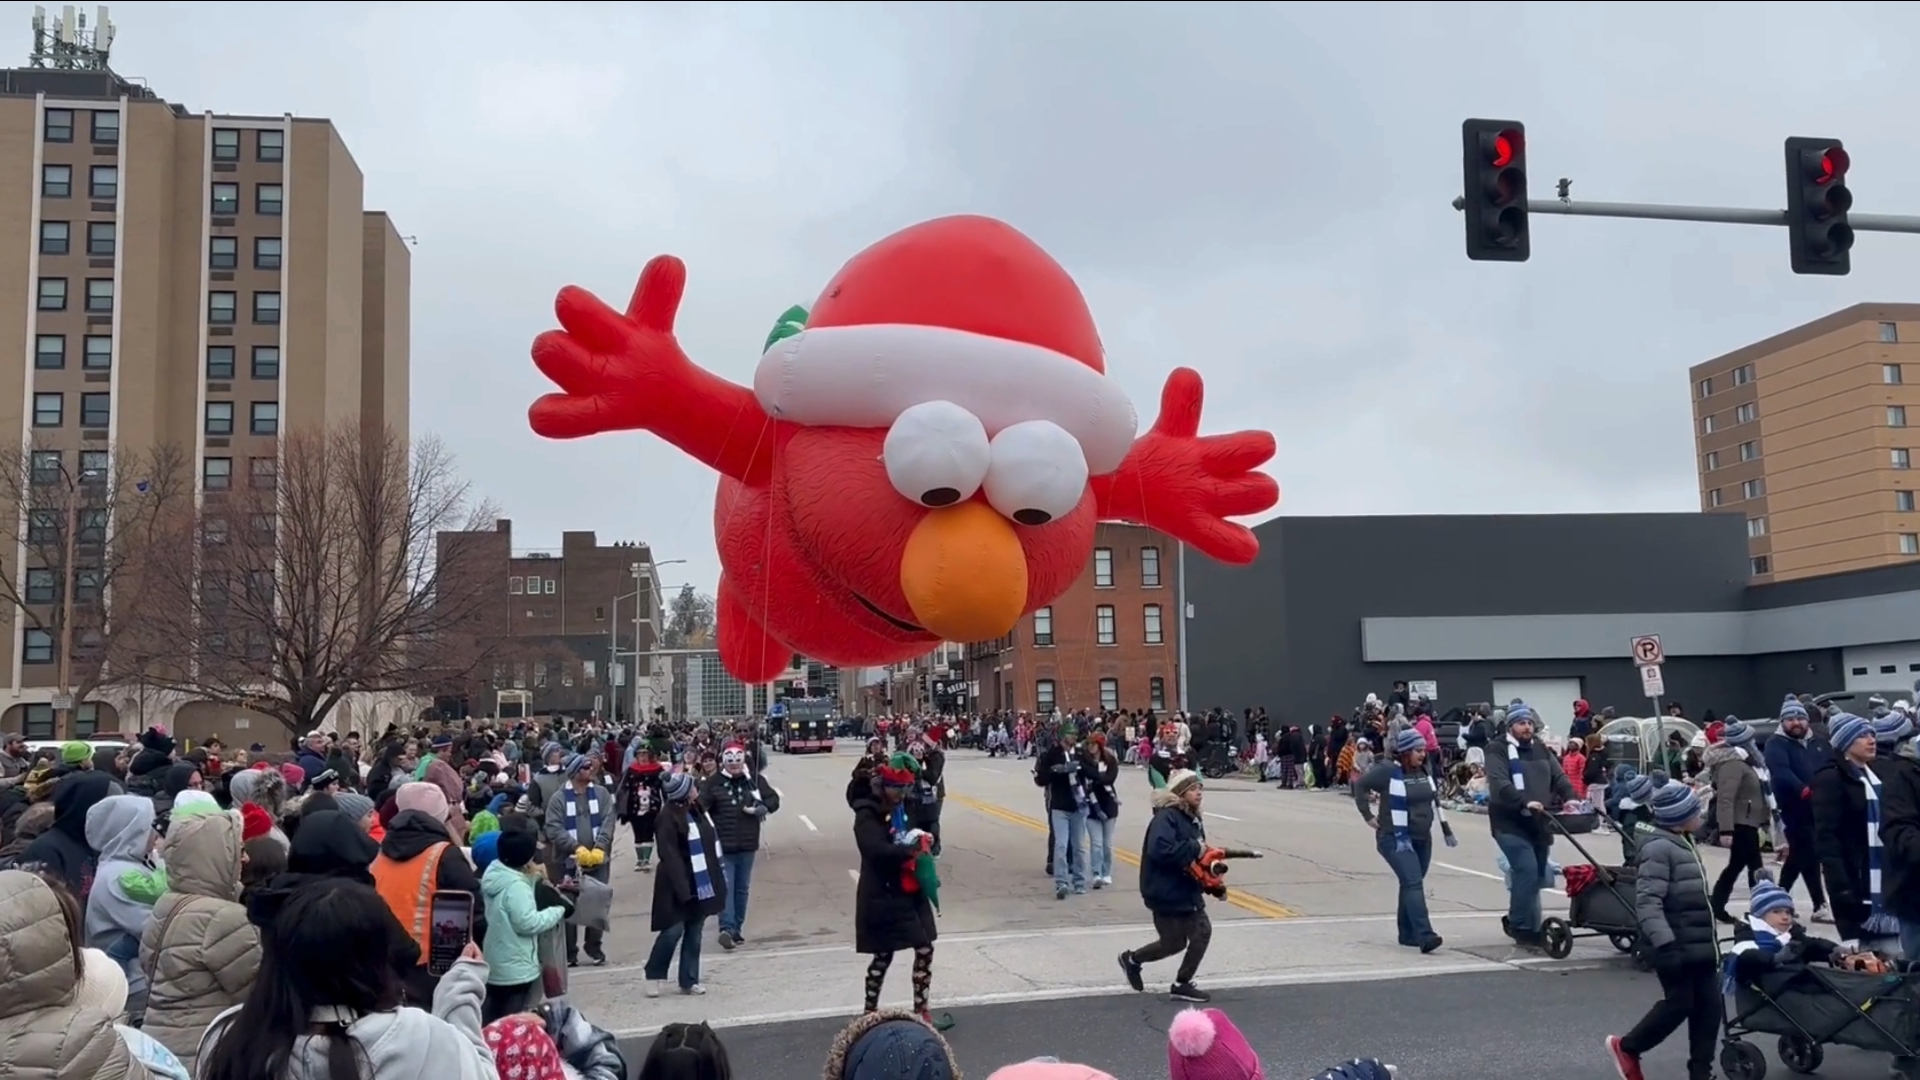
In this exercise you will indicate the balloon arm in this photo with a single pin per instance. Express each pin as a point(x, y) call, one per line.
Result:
point(719, 424)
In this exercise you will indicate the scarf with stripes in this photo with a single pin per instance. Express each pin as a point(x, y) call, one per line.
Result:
point(1759, 764)
point(1515, 768)
point(1397, 808)
point(697, 857)
point(1765, 939)
point(1881, 923)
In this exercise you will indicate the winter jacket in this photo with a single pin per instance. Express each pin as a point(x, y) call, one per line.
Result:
point(1900, 830)
point(1103, 785)
point(404, 1044)
point(887, 917)
point(738, 805)
point(1791, 764)
point(1671, 901)
point(514, 926)
point(120, 828)
point(1546, 784)
point(545, 784)
point(62, 850)
point(929, 793)
point(676, 897)
point(409, 836)
point(1058, 771)
point(1800, 950)
point(562, 842)
point(1175, 840)
point(1738, 797)
point(590, 1051)
point(43, 1035)
point(1840, 839)
point(1378, 782)
point(199, 951)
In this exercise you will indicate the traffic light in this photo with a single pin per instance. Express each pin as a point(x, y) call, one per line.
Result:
point(1494, 160)
point(1818, 236)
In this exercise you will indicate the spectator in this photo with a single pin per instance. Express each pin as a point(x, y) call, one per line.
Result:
point(514, 926)
point(199, 947)
point(50, 1025)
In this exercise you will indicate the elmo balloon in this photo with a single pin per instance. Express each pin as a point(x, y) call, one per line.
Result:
point(922, 457)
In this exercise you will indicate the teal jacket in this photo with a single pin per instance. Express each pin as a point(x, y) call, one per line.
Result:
point(514, 926)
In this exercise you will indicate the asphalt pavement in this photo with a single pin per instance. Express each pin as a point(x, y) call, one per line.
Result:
point(1514, 1024)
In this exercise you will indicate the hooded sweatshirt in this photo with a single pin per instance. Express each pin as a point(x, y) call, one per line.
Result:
point(120, 829)
point(199, 951)
point(63, 849)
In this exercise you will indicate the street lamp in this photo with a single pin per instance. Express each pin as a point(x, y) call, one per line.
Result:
point(653, 587)
point(639, 617)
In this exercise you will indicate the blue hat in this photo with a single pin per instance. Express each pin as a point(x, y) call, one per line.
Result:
point(1767, 898)
point(1623, 772)
point(1891, 728)
point(1520, 712)
point(677, 787)
point(576, 763)
point(1636, 788)
point(1737, 733)
point(1674, 805)
point(1791, 709)
point(1407, 741)
point(1845, 729)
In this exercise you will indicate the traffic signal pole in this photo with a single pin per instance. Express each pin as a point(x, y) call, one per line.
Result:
point(1710, 215)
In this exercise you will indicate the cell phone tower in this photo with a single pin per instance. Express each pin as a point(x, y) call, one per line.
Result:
point(68, 43)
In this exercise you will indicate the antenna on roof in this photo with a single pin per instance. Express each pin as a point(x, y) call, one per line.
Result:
point(68, 43)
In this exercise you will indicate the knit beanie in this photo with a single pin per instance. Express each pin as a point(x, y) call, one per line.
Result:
point(516, 847)
point(424, 797)
point(1521, 713)
point(1791, 709)
point(254, 822)
point(191, 803)
point(1888, 730)
point(75, 752)
point(576, 763)
point(484, 822)
point(1183, 781)
point(1407, 741)
point(353, 804)
point(1047, 1068)
point(1636, 789)
point(1845, 729)
point(889, 1045)
point(1202, 1044)
point(677, 786)
point(1767, 898)
point(1674, 805)
point(1737, 732)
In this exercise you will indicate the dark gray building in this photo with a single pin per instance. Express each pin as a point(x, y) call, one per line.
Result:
point(1541, 607)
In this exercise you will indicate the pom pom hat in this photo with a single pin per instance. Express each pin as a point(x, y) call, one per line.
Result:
point(1202, 1044)
point(1846, 729)
point(1768, 898)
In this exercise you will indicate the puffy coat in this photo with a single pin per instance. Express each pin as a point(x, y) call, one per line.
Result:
point(1671, 901)
point(886, 916)
point(514, 925)
point(1840, 839)
point(1738, 797)
point(43, 1036)
point(1175, 841)
point(731, 800)
point(1900, 830)
point(200, 952)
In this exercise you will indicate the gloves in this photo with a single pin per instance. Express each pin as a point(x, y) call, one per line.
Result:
point(1668, 958)
point(759, 810)
point(1218, 892)
point(589, 858)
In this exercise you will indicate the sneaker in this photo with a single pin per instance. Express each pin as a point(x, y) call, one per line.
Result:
point(1432, 942)
point(1080, 890)
point(1822, 915)
point(1098, 882)
point(696, 990)
point(597, 959)
point(739, 938)
point(1060, 892)
point(1131, 968)
point(653, 987)
point(1186, 991)
point(726, 941)
point(1107, 880)
point(640, 866)
point(573, 961)
point(1627, 1065)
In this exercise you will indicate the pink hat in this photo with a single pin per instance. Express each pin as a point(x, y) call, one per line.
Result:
point(293, 774)
point(1048, 1069)
point(1203, 1044)
point(426, 798)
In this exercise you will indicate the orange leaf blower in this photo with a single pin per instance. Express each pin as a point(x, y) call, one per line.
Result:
point(1210, 869)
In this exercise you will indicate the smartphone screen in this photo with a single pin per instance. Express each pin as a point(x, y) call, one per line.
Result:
point(452, 920)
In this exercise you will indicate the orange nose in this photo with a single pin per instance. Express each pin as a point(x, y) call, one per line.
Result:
point(964, 573)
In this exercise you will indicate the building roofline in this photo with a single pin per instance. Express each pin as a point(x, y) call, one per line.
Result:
point(1805, 332)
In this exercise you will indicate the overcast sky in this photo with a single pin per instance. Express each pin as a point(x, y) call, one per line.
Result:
point(1260, 191)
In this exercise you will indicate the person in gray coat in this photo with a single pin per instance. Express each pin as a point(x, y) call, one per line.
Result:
point(1524, 784)
point(578, 825)
point(1675, 913)
point(1404, 830)
point(1741, 808)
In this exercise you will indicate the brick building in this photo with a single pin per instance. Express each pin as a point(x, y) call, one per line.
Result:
point(566, 624)
point(1110, 641)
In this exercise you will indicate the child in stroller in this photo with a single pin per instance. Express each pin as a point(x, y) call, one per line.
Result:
point(1771, 940)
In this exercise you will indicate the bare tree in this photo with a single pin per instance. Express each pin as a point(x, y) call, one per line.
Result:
point(689, 619)
point(84, 526)
point(323, 577)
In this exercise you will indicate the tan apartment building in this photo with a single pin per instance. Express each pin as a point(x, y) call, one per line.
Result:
point(180, 278)
point(1807, 433)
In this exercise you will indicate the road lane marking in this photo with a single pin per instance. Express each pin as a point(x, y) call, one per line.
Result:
point(808, 822)
point(1485, 874)
point(855, 875)
point(1222, 817)
point(994, 771)
point(1245, 901)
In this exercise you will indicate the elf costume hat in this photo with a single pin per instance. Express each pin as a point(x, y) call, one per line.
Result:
point(901, 770)
point(961, 309)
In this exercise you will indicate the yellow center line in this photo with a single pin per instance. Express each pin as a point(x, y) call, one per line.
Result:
point(1239, 898)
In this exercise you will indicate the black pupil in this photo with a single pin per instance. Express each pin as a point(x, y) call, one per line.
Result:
point(1032, 517)
point(941, 497)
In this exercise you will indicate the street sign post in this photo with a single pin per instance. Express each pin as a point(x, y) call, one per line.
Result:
point(1647, 651)
point(1653, 684)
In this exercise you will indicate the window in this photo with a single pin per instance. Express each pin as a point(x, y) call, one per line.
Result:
point(50, 352)
point(1903, 459)
point(49, 410)
point(264, 419)
point(1043, 626)
point(93, 527)
point(1713, 497)
point(219, 361)
point(1149, 567)
point(56, 237)
point(1043, 702)
point(1156, 693)
point(266, 361)
point(39, 721)
point(98, 354)
point(1151, 615)
point(1756, 528)
point(216, 473)
point(103, 182)
point(37, 647)
point(266, 253)
point(1896, 416)
point(515, 585)
point(40, 587)
point(1110, 694)
point(1743, 375)
point(589, 671)
point(223, 252)
point(1903, 501)
point(99, 295)
point(86, 585)
point(46, 465)
point(1712, 460)
point(106, 126)
point(1706, 424)
point(1910, 543)
point(1890, 374)
point(1760, 564)
point(1706, 388)
point(53, 294)
point(267, 199)
point(1889, 333)
point(1103, 626)
point(1753, 489)
point(96, 410)
point(219, 418)
point(264, 472)
point(533, 585)
point(553, 585)
point(222, 308)
point(1749, 450)
point(226, 144)
point(94, 465)
point(1103, 568)
point(266, 308)
point(271, 145)
point(100, 238)
point(56, 181)
point(58, 125)
point(1745, 414)
point(226, 198)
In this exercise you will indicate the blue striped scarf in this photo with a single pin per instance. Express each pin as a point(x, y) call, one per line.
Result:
point(1881, 923)
point(1765, 939)
point(1397, 807)
point(697, 858)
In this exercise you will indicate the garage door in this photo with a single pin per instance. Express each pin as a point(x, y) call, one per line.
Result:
point(1552, 698)
point(1883, 667)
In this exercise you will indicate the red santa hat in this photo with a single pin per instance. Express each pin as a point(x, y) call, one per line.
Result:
point(960, 309)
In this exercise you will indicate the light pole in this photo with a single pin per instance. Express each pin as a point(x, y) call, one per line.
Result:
point(653, 601)
point(1186, 613)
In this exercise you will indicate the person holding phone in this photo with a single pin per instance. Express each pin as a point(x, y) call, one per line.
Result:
point(514, 925)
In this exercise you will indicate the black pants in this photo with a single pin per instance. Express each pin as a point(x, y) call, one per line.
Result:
point(1742, 854)
point(594, 943)
point(1190, 932)
point(1803, 861)
point(508, 1000)
point(1692, 997)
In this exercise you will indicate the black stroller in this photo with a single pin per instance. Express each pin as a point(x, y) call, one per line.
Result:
point(1810, 1008)
point(1603, 909)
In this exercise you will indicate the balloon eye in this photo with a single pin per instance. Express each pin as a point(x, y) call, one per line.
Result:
point(1038, 473)
point(936, 454)
point(1031, 516)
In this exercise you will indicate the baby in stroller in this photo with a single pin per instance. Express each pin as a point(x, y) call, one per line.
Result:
point(1772, 941)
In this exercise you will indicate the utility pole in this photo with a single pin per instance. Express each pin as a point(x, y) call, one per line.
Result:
point(63, 673)
point(639, 721)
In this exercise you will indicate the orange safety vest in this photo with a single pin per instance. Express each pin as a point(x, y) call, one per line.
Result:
point(409, 892)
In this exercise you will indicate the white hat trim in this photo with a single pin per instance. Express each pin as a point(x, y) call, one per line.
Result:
point(866, 376)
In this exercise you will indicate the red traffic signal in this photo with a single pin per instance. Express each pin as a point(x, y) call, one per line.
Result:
point(1506, 146)
point(1819, 237)
point(1494, 178)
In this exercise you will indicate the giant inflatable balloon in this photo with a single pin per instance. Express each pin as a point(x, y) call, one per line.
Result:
point(923, 454)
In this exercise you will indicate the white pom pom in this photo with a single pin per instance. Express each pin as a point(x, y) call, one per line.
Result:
point(1192, 1033)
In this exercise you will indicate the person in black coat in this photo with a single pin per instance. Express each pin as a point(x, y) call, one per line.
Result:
point(1900, 832)
point(689, 884)
point(1176, 838)
point(1840, 823)
point(890, 910)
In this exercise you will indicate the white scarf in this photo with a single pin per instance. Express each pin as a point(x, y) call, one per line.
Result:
point(1880, 923)
point(1515, 768)
point(1759, 764)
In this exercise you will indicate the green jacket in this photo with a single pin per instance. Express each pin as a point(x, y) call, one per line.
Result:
point(514, 926)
